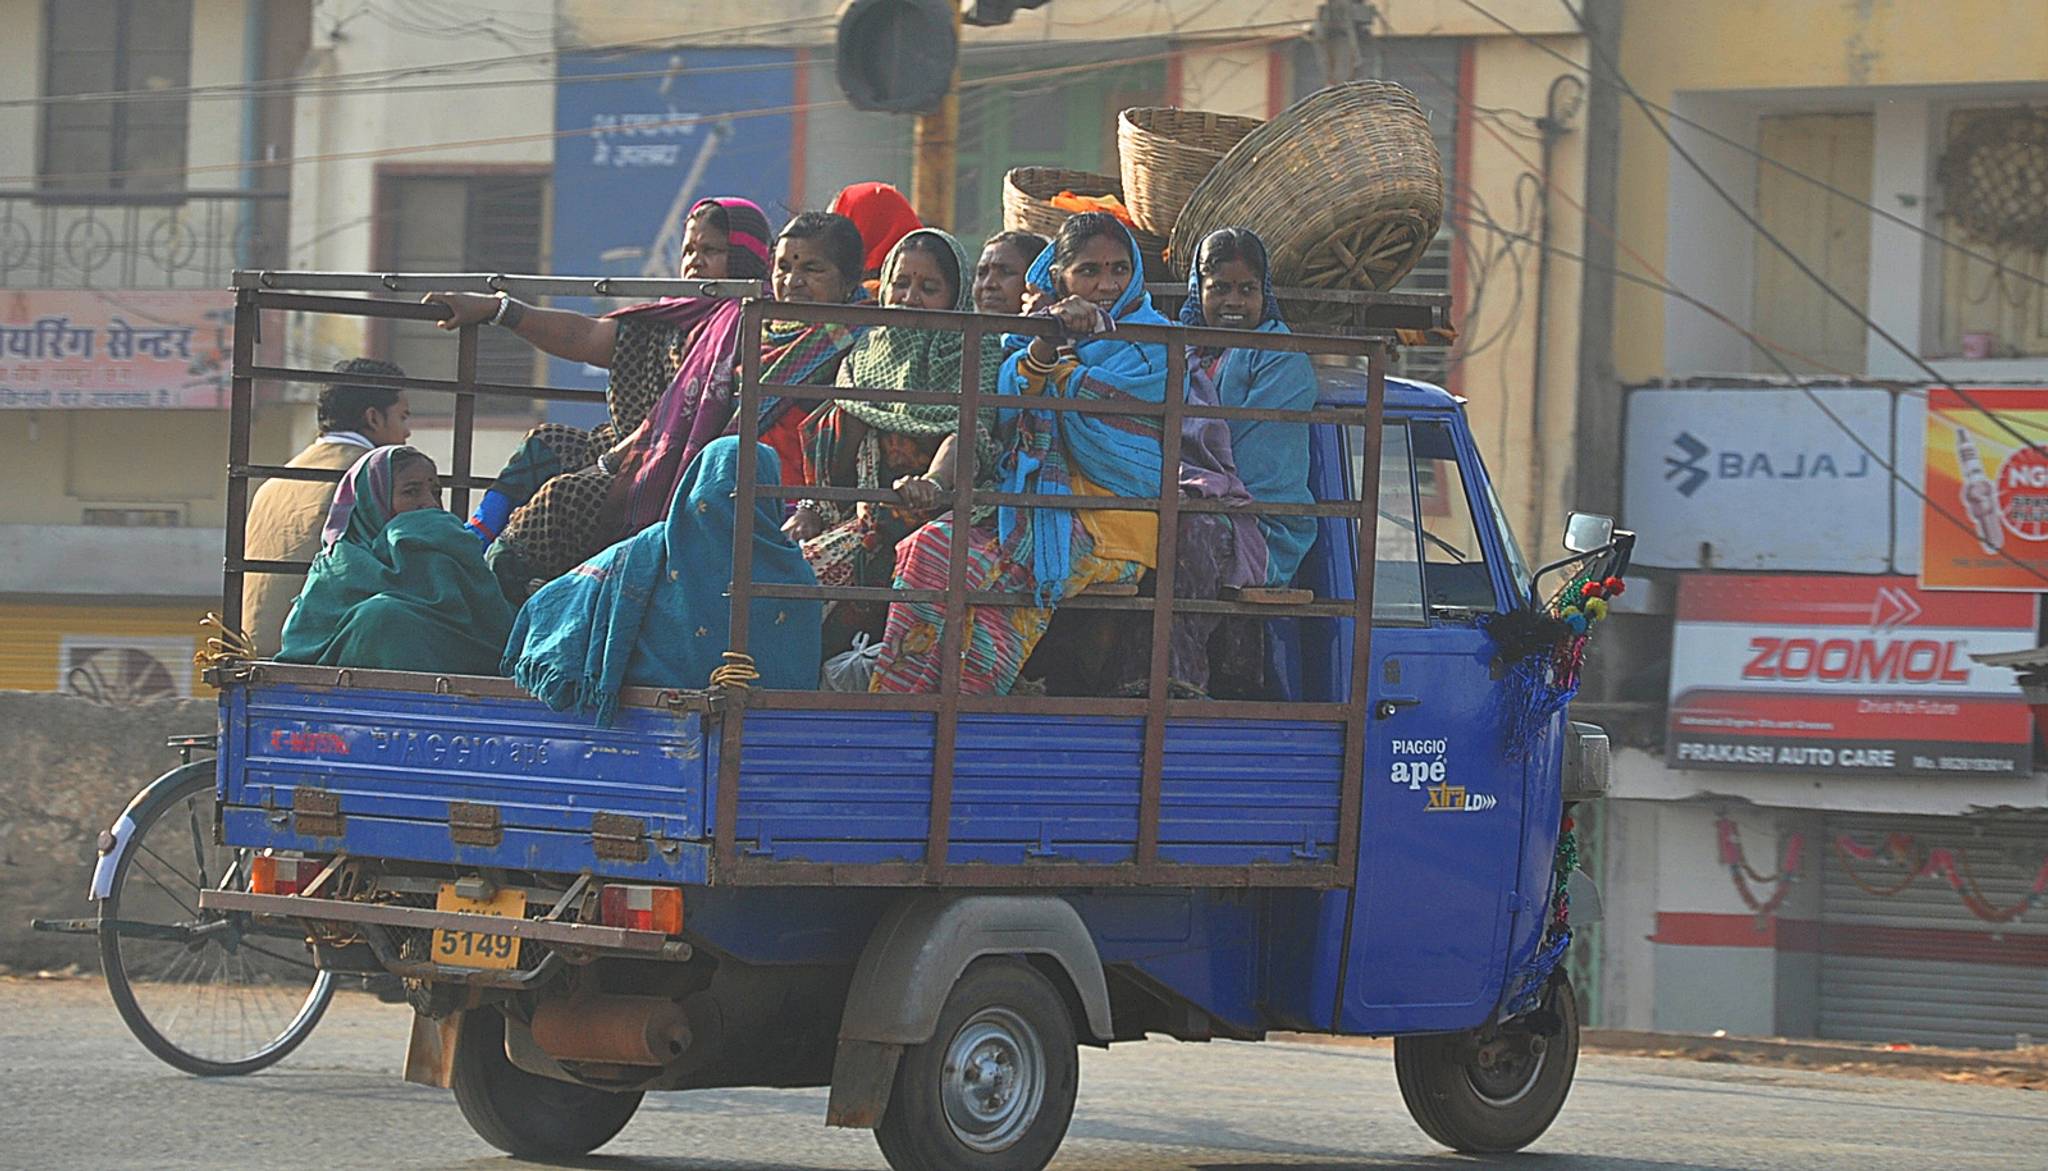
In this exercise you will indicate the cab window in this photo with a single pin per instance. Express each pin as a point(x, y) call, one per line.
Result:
point(1456, 578)
point(1397, 559)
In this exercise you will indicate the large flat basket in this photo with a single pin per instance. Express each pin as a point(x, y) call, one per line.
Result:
point(1345, 186)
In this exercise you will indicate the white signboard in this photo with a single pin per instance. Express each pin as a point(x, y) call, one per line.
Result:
point(1745, 478)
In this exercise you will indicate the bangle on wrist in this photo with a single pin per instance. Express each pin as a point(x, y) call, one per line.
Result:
point(509, 312)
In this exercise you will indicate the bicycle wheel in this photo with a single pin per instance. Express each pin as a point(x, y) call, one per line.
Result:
point(211, 993)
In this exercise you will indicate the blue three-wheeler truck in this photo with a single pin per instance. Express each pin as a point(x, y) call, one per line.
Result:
point(927, 903)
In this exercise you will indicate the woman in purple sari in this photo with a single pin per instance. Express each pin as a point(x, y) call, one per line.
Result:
point(567, 493)
point(1237, 461)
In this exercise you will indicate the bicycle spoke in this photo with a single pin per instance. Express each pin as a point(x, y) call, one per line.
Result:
point(198, 842)
point(188, 908)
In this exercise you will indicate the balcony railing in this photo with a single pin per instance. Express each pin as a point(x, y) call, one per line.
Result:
point(185, 240)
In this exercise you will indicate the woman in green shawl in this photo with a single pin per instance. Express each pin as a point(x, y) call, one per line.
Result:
point(399, 582)
point(850, 444)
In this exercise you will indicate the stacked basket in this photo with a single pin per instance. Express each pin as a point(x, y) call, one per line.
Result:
point(1164, 153)
point(1028, 193)
point(1346, 187)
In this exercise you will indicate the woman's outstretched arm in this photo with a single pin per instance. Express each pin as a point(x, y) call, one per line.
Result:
point(560, 332)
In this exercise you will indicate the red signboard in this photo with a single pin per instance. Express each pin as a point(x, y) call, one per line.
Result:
point(1784, 673)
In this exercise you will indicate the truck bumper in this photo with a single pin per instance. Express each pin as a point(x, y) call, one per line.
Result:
point(374, 919)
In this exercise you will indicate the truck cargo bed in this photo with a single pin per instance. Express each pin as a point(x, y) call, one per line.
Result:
point(469, 771)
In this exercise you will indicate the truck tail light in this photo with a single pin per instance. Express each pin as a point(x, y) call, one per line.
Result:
point(642, 908)
point(281, 874)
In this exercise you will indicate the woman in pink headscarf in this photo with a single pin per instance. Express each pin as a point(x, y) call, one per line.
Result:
point(567, 493)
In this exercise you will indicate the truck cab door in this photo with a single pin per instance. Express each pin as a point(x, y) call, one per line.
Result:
point(1441, 839)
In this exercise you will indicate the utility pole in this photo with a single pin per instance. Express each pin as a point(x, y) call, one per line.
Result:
point(934, 164)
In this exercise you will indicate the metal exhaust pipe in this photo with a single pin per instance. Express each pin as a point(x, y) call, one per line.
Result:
point(612, 1030)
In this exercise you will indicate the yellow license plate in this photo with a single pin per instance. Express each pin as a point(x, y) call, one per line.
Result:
point(477, 949)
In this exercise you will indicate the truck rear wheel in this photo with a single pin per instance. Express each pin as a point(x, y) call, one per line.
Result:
point(1497, 1096)
point(994, 1088)
point(524, 1114)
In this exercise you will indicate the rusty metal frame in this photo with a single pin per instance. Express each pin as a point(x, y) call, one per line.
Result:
point(1377, 320)
point(730, 864)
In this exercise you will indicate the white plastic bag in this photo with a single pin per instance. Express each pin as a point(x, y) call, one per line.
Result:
point(851, 670)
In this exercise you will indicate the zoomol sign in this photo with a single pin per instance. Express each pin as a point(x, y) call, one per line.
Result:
point(1737, 478)
point(1798, 673)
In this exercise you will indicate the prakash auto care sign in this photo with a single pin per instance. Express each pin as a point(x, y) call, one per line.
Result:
point(1984, 524)
point(1783, 673)
point(1736, 477)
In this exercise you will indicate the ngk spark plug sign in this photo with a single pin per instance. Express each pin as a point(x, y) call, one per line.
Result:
point(1785, 673)
point(1984, 524)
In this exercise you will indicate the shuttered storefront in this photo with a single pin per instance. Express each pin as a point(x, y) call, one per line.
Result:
point(112, 652)
point(1910, 961)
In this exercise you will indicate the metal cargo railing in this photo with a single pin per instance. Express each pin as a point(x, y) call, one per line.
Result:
point(1377, 323)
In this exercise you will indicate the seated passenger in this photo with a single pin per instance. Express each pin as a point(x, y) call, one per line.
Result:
point(652, 610)
point(883, 216)
point(566, 494)
point(399, 583)
point(285, 516)
point(999, 274)
point(1045, 552)
point(1229, 287)
point(817, 260)
point(850, 444)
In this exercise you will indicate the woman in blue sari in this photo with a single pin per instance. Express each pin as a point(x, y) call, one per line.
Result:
point(399, 583)
point(1093, 271)
point(651, 611)
point(1230, 287)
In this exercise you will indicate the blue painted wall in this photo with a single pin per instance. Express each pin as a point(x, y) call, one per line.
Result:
point(614, 187)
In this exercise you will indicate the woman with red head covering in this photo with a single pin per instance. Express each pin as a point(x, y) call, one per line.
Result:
point(883, 216)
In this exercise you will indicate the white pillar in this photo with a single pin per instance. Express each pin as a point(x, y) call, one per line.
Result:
point(1902, 266)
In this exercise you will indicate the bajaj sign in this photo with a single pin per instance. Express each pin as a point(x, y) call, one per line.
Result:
point(1737, 478)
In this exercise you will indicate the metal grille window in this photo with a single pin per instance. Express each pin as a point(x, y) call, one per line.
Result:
point(139, 49)
point(463, 223)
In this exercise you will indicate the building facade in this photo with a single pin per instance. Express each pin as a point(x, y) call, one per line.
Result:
point(1827, 819)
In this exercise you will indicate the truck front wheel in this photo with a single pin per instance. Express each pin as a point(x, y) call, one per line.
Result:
point(1485, 1096)
point(524, 1114)
point(993, 1090)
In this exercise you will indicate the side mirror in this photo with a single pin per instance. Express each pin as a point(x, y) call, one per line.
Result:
point(1587, 531)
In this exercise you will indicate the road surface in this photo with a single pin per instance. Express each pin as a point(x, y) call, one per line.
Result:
point(77, 1092)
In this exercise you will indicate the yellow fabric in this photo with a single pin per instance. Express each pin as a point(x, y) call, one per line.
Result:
point(1118, 535)
point(285, 517)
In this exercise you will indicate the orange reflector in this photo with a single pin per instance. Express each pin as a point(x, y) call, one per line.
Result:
point(280, 874)
point(642, 908)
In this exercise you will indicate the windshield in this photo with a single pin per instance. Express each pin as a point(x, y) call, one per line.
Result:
point(1518, 566)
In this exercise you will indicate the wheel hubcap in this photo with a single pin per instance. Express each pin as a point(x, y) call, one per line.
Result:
point(993, 1081)
point(1505, 1070)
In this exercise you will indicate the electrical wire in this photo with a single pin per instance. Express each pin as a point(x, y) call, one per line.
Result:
point(1799, 262)
point(363, 80)
point(679, 121)
point(1922, 230)
point(1771, 349)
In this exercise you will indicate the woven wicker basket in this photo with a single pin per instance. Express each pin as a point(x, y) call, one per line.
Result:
point(1027, 195)
point(1163, 152)
point(1028, 192)
point(1345, 186)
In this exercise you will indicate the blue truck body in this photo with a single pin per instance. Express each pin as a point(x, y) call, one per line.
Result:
point(1449, 897)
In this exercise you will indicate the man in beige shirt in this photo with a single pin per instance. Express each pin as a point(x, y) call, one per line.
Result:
point(285, 516)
